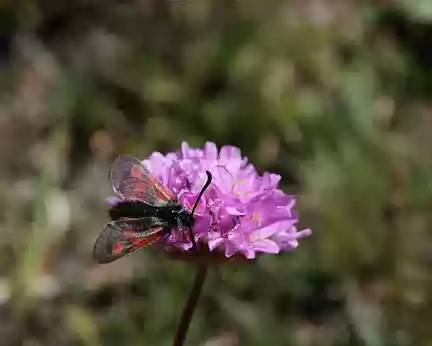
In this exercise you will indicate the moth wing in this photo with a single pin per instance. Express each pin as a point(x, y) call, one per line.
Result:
point(132, 180)
point(124, 236)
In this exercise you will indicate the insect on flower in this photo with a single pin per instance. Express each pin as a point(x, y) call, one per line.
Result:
point(147, 212)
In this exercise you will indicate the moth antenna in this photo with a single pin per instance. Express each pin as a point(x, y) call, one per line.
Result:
point(206, 185)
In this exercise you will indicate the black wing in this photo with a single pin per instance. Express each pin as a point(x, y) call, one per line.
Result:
point(124, 236)
point(132, 180)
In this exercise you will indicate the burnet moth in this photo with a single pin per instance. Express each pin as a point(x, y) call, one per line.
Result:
point(147, 212)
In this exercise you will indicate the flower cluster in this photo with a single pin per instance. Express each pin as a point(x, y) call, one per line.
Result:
point(240, 213)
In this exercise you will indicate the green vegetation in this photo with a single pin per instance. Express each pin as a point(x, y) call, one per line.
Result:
point(332, 95)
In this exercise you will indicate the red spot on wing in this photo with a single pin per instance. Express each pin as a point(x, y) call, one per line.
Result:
point(161, 190)
point(129, 233)
point(154, 188)
point(121, 237)
point(131, 179)
point(134, 244)
point(136, 172)
point(143, 242)
point(118, 249)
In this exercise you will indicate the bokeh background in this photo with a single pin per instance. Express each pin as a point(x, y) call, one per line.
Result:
point(334, 95)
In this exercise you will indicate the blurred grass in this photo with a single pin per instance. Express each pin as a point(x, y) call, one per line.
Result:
point(334, 96)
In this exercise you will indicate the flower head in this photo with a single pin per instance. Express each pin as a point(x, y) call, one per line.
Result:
point(241, 213)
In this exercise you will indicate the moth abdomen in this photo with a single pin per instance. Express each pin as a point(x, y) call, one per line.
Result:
point(130, 209)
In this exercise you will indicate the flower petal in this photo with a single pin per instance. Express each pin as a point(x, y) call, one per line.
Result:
point(230, 153)
point(202, 224)
point(185, 149)
point(231, 249)
point(234, 211)
point(210, 151)
point(304, 233)
point(222, 178)
point(271, 229)
point(267, 246)
point(249, 253)
point(213, 244)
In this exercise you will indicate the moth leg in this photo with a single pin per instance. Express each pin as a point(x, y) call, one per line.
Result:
point(167, 234)
point(177, 241)
point(179, 227)
point(236, 220)
point(194, 245)
point(191, 236)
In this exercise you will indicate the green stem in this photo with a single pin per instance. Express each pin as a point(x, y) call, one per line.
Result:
point(190, 306)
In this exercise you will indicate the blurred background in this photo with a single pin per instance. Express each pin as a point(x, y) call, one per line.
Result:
point(334, 95)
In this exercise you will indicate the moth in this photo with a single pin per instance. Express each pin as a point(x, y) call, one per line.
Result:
point(147, 212)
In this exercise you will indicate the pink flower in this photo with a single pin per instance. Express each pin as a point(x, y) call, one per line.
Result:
point(240, 213)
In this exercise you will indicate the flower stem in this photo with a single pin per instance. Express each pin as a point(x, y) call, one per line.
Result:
point(190, 306)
